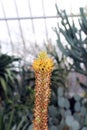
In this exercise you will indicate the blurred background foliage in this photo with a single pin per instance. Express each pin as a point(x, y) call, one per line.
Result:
point(17, 81)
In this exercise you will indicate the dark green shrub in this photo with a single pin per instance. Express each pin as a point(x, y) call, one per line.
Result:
point(7, 75)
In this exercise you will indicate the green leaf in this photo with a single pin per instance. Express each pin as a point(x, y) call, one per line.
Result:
point(1, 120)
point(10, 120)
point(9, 73)
point(4, 85)
point(21, 123)
point(14, 127)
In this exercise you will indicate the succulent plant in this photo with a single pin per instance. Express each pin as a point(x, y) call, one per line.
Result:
point(75, 125)
point(84, 128)
point(76, 47)
point(77, 106)
point(69, 119)
point(60, 91)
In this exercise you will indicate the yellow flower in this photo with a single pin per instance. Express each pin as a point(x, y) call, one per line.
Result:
point(43, 63)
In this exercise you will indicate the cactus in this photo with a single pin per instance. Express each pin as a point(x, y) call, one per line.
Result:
point(77, 49)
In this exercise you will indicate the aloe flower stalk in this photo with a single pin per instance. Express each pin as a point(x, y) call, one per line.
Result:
point(43, 66)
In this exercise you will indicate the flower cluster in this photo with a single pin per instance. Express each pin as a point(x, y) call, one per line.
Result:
point(43, 63)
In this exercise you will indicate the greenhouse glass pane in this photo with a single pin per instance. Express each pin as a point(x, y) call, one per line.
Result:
point(23, 8)
point(49, 6)
point(36, 8)
point(9, 8)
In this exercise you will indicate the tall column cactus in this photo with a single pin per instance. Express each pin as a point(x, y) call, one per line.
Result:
point(42, 66)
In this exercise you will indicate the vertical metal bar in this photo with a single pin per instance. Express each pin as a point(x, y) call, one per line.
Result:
point(33, 28)
point(55, 1)
point(9, 33)
point(45, 20)
point(20, 28)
